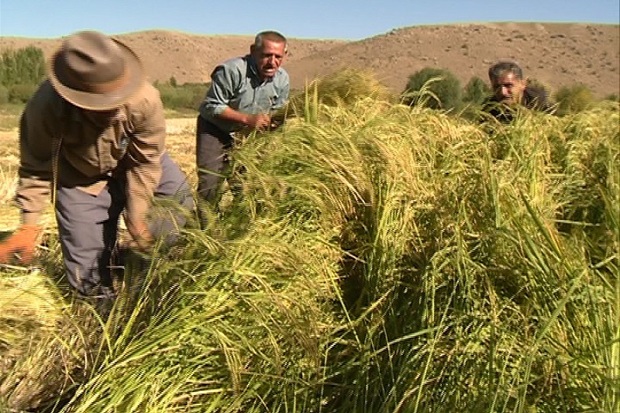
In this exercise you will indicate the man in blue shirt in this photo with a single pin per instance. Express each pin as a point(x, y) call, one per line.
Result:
point(244, 92)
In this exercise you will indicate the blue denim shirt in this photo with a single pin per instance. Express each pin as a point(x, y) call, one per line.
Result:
point(236, 84)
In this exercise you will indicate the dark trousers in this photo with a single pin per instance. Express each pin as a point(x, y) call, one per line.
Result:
point(212, 147)
point(88, 225)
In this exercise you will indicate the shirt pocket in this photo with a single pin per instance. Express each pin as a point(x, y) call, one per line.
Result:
point(120, 148)
point(266, 100)
point(122, 139)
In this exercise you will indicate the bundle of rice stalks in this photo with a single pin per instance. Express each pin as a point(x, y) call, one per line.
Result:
point(341, 88)
point(29, 305)
point(31, 310)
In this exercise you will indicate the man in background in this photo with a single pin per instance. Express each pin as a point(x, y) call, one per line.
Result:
point(244, 92)
point(511, 91)
point(93, 137)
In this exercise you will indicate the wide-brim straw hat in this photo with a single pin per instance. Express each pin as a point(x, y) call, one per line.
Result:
point(95, 72)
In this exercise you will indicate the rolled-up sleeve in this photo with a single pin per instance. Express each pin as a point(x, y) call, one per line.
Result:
point(36, 142)
point(143, 157)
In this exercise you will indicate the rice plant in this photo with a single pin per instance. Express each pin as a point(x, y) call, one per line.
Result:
point(376, 257)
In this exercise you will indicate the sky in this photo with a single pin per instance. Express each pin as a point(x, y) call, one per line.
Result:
point(311, 19)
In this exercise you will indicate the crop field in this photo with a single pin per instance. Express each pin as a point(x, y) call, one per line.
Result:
point(380, 258)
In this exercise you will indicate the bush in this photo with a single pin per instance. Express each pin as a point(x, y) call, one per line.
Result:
point(349, 86)
point(573, 99)
point(22, 66)
point(20, 93)
point(434, 88)
point(4, 95)
point(344, 87)
point(21, 71)
point(475, 91)
point(186, 96)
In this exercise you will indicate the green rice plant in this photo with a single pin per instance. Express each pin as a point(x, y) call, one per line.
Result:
point(388, 260)
point(209, 345)
point(385, 258)
point(27, 304)
point(42, 348)
point(343, 87)
point(591, 163)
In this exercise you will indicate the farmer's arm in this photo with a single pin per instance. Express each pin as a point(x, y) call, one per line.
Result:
point(143, 161)
point(37, 129)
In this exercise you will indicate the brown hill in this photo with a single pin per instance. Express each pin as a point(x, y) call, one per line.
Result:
point(556, 54)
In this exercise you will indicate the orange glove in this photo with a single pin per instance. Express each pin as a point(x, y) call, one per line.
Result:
point(21, 243)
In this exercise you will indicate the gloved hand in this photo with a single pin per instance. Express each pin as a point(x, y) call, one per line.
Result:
point(21, 243)
point(142, 240)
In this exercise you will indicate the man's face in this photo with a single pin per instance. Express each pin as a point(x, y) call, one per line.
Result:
point(507, 88)
point(269, 58)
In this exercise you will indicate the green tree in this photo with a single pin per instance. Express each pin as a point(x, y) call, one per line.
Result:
point(182, 97)
point(434, 88)
point(22, 66)
point(475, 91)
point(4, 95)
point(20, 93)
point(573, 99)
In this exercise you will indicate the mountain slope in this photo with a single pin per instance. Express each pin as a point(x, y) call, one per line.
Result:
point(556, 54)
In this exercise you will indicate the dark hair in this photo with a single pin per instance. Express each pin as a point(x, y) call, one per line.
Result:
point(504, 66)
point(269, 35)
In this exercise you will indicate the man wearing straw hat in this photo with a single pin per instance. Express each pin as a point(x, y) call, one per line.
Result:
point(93, 135)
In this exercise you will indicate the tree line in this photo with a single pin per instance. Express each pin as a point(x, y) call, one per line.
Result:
point(440, 89)
point(21, 71)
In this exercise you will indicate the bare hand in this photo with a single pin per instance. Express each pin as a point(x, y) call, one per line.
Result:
point(260, 121)
point(142, 240)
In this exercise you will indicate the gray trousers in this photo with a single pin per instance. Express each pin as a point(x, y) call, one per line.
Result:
point(212, 147)
point(88, 225)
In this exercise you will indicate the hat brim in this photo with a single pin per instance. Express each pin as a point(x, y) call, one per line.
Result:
point(134, 72)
